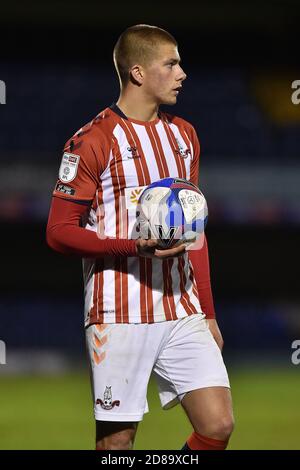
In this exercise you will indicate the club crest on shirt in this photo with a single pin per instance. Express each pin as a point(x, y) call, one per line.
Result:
point(184, 153)
point(107, 403)
point(68, 167)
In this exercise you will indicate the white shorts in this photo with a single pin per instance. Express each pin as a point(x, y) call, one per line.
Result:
point(181, 354)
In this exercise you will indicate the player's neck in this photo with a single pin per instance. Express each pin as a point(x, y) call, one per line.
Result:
point(137, 108)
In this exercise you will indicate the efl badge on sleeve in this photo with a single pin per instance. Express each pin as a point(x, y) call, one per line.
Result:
point(69, 166)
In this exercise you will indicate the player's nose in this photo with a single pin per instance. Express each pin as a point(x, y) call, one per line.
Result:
point(182, 75)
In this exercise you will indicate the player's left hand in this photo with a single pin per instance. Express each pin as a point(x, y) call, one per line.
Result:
point(215, 331)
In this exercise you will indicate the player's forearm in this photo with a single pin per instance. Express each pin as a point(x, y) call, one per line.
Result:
point(66, 236)
point(206, 299)
point(200, 263)
point(71, 240)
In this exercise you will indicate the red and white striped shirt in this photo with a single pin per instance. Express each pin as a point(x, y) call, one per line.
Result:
point(108, 163)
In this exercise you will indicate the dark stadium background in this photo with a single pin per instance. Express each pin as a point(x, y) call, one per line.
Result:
point(241, 59)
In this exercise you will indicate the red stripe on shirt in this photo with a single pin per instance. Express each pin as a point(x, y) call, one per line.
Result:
point(121, 277)
point(175, 148)
point(184, 299)
point(145, 265)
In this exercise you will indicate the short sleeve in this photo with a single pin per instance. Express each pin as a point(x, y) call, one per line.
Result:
point(82, 163)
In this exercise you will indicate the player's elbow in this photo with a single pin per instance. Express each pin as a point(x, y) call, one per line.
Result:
point(50, 238)
point(53, 239)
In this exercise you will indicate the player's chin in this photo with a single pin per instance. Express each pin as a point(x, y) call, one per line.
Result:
point(170, 100)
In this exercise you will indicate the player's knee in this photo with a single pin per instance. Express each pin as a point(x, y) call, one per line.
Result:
point(120, 441)
point(222, 428)
point(226, 428)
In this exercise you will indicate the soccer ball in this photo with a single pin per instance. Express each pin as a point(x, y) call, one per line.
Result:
point(173, 211)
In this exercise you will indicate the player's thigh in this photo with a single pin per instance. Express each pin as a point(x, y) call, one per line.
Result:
point(210, 410)
point(189, 361)
point(115, 433)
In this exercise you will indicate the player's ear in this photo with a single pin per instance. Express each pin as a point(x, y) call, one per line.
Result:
point(137, 74)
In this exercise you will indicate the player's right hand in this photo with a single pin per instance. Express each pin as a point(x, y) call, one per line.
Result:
point(151, 249)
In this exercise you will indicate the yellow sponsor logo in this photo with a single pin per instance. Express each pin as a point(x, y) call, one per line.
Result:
point(135, 194)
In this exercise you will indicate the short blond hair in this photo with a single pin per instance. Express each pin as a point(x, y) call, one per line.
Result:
point(137, 45)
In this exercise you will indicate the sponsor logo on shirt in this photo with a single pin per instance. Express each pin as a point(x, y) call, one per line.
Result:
point(62, 188)
point(133, 152)
point(132, 196)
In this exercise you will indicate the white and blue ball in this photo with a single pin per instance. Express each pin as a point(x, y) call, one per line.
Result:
point(173, 211)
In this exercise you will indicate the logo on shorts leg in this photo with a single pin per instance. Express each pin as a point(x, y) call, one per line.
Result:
point(107, 403)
